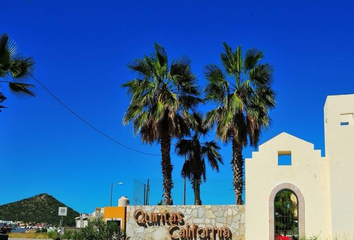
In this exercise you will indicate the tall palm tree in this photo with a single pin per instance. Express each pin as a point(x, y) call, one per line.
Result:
point(195, 153)
point(13, 68)
point(243, 94)
point(161, 99)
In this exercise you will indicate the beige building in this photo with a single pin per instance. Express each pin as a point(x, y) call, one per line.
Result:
point(324, 186)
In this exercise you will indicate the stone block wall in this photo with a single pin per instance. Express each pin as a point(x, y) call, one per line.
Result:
point(207, 222)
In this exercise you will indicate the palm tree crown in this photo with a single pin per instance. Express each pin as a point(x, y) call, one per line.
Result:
point(161, 99)
point(243, 94)
point(195, 153)
point(13, 66)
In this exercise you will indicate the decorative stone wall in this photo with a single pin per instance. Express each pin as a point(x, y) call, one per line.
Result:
point(208, 221)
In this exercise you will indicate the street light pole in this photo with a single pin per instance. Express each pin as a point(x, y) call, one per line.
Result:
point(110, 204)
point(112, 185)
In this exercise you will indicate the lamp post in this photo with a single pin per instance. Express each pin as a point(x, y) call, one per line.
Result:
point(112, 185)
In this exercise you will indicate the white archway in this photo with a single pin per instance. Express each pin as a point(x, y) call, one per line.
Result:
point(301, 207)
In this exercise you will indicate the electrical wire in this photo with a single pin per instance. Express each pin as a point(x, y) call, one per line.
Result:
point(87, 123)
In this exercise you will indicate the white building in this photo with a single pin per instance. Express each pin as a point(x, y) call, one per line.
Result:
point(324, 186)
point(82, 220)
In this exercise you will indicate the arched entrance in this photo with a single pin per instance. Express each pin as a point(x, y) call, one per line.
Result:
point(286, 215)
point(286, 212)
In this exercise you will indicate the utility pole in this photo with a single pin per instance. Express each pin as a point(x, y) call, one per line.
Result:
point(144, 194)
point(147, 192)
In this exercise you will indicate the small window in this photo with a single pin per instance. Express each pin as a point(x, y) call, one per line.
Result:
point(114, 223)
point(346, 119)
point(284, 158)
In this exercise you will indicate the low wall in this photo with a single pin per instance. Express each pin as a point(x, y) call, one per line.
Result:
point(186, 222)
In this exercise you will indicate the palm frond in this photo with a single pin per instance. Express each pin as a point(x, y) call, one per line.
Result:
point(161, 60)
point(239, 61)
point(191, 121)
point(170, 99)
point(132, 112)
point(261, 75)
point(236, 103)
point(140, 121)
point(265, 96)
point(214, 74)
point(10, 45)
point(160, 111)
point(211, 150)
point(189, 102)
point(5, 54)
point(21, 88)
point(178, 126)
point(253, 56)
point(187, 170)
point(180, 67)
point(228, 59)
point(212, 117)
point(14, 65)
point(141, 68)
point(2, 98)
point(149, 132)
point(20, 67)
point(184, 147)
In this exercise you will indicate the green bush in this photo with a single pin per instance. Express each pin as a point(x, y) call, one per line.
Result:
point(98, 230)
point(311, 238)
point(67, 235)
point(53, 234)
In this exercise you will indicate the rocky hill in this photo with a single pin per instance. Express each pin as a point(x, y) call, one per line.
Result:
point(42, 208)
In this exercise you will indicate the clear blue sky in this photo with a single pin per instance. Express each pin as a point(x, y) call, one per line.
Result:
point(81, 49)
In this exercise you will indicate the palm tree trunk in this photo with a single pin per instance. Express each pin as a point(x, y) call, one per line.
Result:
point(166, 168)
point(237, 167)
point(197, 200)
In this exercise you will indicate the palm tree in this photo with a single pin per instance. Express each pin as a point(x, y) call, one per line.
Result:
point(195, 153)
point(13, 66)
point(161, 99)
point(243, 94)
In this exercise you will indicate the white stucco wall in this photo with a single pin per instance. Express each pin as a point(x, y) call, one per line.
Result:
point(339, 141)
point(309, 172)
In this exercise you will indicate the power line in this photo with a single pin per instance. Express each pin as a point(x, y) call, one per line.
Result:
point(89, 124)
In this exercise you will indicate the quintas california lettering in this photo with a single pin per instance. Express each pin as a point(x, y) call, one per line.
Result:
point(177, 228)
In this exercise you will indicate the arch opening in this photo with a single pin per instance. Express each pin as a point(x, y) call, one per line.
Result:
point(292, 225)
point(286, 221)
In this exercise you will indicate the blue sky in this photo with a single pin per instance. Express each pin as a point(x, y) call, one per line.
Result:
point(81, 49)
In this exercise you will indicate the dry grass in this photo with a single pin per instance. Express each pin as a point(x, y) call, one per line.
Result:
point(29, 235)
